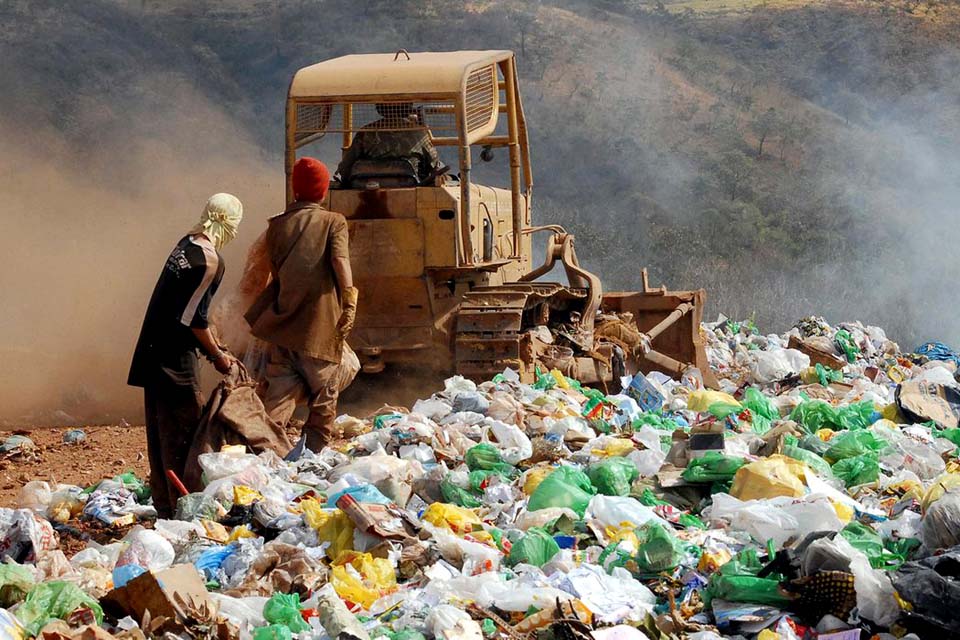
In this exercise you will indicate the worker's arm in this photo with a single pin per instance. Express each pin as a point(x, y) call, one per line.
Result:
point(221, 360)
point(340, 257)
point(351, 155)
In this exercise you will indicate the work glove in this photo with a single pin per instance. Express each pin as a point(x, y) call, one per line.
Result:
point(348, 313)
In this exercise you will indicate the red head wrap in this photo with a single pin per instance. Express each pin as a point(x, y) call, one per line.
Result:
point(311, 179)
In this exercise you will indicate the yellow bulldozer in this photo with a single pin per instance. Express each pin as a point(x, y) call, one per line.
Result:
point(444, 264)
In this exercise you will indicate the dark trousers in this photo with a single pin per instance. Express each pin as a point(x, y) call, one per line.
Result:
point(172, 415)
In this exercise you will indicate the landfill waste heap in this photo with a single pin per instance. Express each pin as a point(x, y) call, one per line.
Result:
point(816, 494)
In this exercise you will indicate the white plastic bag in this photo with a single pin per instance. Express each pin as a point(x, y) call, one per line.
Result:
point(770, 366)
point(875, 594)
point(148, 549)
point(446, 622)
point(513, 443)
point(776, 518)
point(35, 495)
point(221, 464)
point(614, 511)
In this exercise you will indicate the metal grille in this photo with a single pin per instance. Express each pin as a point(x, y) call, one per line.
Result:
point(316, 119)
point(481, 97)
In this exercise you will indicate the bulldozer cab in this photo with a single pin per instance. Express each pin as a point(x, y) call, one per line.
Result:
point(443, 262)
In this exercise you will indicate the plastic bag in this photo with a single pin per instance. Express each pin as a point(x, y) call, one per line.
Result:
point(54, 600)
point(854, 443)
point(858, 470)
point(770, 366)
point(486, 457)
point(762, 410)
point(820, 466)
point(362, 579)
point(614, 511)
point(613, 476)
point(565, 487)
point(658, 549)
point(273, 632)
point(148, 549)
point(332, 525)
point(210, 561)
point(363, 493)
point(514, 444)
point(940, 486)
point(284, 609)
point(15, 582)
point(940, 526)
point(535, 547)
point(455, 494)
point(701, 400)
point(737, 581)
point(451, 517)
point(713, 466)
point(865, 539)
point(768, 478)
point(817, 414)
point(777, 519)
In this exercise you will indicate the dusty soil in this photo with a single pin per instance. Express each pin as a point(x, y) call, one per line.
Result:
point(106, 452)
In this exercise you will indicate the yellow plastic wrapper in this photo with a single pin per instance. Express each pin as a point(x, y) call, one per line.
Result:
point(235, 449)
point(615, 448)
point(560, 378)
point(362, 579)
point(451, 517)
point(245, 495)
point(243, 531)
point(332, 525)
point(940, 486)
point(892, 413)
point(769, 478)
point(623, 533)
point(711, 561)
point(215, 531)
point(844, 511)
point(533, 478)
point(701, 400)
point(767, 634)
point(825, 434)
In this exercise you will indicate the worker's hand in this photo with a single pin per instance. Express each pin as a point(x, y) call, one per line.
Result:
point(348, 314)
point(224, 362)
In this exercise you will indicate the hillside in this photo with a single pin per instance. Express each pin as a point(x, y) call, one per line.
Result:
point(791, 157)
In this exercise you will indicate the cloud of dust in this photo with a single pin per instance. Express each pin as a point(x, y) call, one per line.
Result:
point(86, 232)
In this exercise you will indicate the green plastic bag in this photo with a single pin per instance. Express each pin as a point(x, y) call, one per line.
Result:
point(565, 487)
point(480, 478)
point(845, 341)
point(852, 444)
point(722, 410)
point(813, 443)
point(812, 460)
point(762, 411)
point(54, 600)
point(613, 476)
point(826, 376)
point(15, 582)
point(486, 457)
point(284, 609)
point(273, 632)
point(455, 494)
point(536, 547)
point(659, 550)
point(817, 414)
point(713, 466)
point(655, 420)
point(737, 581)
point(867, 540)
point(689, 520)
point(858, 469)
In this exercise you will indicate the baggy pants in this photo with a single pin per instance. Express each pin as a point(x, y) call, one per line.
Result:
point(291, 378)
point(172, 415)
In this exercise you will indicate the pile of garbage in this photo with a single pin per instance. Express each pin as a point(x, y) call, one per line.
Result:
point(816, 493)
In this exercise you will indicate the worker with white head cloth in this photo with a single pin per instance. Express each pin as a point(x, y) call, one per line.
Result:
point(165, 361)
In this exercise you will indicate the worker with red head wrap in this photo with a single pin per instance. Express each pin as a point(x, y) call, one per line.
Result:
point(308, 310)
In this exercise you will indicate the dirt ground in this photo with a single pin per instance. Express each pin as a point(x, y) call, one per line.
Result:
point(106, 452)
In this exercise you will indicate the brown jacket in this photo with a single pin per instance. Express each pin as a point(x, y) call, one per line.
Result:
point(301, 307)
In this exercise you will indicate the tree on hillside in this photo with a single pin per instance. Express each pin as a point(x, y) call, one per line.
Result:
point(733, 170)
point(763, 125)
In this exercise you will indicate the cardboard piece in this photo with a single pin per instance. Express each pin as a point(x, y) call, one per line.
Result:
point(178, 593)
point(816, 354)
point(384, 521)
point(922, 401)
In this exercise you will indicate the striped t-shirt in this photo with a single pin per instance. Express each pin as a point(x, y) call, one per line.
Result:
point(180, 301)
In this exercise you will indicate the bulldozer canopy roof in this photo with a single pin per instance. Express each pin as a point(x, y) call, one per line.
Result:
point(375, 74)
